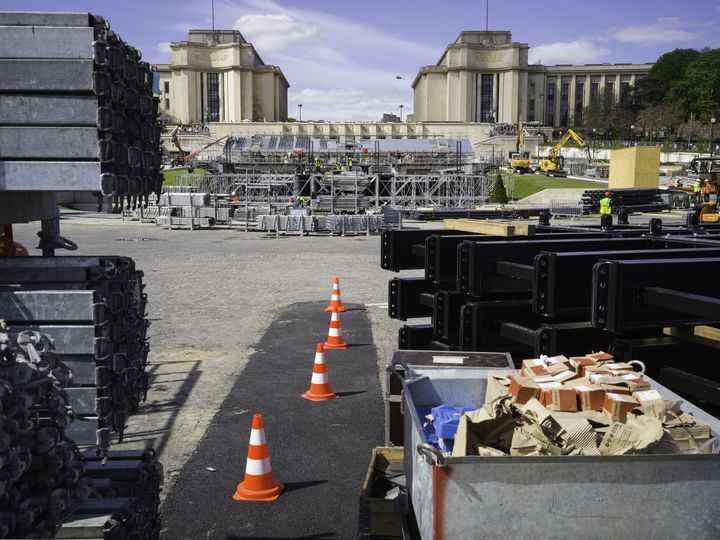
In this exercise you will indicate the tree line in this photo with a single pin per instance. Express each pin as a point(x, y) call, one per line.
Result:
point(672, 105)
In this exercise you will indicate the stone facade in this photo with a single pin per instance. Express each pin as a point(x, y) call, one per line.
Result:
point(485, 77)
point(217, 76)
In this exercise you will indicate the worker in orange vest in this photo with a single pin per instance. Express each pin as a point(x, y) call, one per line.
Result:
point(707, 189)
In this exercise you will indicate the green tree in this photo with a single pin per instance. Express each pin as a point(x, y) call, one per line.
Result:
point(697, 92)
point(498, 193)
point(668, 69)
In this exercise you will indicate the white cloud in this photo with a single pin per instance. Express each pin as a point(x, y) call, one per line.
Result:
point(274, 32)
point(339, 68)
point(164, 48)
point(580, 51)
point(663, 30)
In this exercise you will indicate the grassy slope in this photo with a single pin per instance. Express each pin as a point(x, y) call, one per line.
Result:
point(171, 176)
point(528, 184)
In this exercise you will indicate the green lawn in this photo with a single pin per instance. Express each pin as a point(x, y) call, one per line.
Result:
point(171, 176)
point(528, 184)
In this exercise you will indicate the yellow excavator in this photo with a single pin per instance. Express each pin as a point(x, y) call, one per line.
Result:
point(519, 161)
point(553, 166)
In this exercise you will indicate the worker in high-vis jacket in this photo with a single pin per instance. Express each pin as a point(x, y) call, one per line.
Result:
point(696, 190)
point(606, 210)
point(606, 204)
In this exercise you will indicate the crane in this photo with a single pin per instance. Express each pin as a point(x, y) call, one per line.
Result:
point(188, 157)
point(553, 166)
point(518, 161)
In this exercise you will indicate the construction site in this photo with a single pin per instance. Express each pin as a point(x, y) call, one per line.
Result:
point(444, 328)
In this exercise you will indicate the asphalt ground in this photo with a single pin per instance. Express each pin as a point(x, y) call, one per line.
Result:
point(320, 451)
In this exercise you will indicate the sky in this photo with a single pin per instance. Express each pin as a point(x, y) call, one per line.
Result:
point(342, 58)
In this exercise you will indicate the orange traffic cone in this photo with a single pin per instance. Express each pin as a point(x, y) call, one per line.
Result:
point(336, 304)
point(320, 384)
point(335, 335)
point(259, 484)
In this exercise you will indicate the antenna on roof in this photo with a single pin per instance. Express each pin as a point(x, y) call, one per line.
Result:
point(212, 8)
point(487, 14)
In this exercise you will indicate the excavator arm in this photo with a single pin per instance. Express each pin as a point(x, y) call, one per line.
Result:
point(553, 163)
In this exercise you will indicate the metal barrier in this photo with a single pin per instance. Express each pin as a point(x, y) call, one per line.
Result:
point(566, 208)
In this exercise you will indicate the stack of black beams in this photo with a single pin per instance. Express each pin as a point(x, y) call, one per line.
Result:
point(630, 199)
point(551, 294)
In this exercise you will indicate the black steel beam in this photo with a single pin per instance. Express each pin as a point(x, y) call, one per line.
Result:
point(415, 337)
point(406, 298)
point(522, 272)
point(477, 261)
point(618, 299)
point(691, 304)
point(446, 314)
point(398, 249)
point(441, 251)
point(563, 281)
point(690, 384)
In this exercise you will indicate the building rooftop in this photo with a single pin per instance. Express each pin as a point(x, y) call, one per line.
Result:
point(215, 37)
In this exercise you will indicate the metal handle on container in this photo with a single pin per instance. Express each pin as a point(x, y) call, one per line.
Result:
point(638, 363)
point(431, 455)
point(409, 374)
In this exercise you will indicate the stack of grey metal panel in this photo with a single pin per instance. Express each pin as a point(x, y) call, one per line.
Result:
point(76, 109)
point(129, 484)
point(41, 474)
point(340, 203)
point(94, 308)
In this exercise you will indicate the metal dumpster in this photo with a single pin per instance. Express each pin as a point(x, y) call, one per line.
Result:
point(631, 496)
point(399, 361)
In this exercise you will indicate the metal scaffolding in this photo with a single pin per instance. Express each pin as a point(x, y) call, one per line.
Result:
point(347, 192)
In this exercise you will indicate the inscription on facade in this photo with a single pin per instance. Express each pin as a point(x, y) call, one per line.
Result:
point(208, 57)
point(490, 58)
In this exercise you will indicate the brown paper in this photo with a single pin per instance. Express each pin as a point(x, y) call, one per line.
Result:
point(636, 436)
point(490, 426)
point(498, 385)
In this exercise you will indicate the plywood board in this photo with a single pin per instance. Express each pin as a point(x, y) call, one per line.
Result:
point(495, 228)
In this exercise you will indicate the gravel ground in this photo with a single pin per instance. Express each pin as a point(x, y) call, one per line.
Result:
point(212, 295)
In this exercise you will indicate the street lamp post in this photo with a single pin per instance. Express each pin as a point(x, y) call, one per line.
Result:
point(299, 112)
point(401, 108)
point(712, 135)
point(594, 132)
point(632, 131)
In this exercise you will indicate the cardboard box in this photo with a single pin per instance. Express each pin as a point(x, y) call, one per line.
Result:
point(651, 402)
point(617, 406)
point(616, 389)
point(636, 384)
point(544, 379)
point(590, 397)
point(546, 388)
point(554, 369)
point(600, 378)
point(579, 363)
point(566, 375)
point(596, 370)
point(573, 383)
point(523, 388)
point(601, 356)
point(617, 367)
point(533, 366)
point(558, 359)
point(556, 397)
